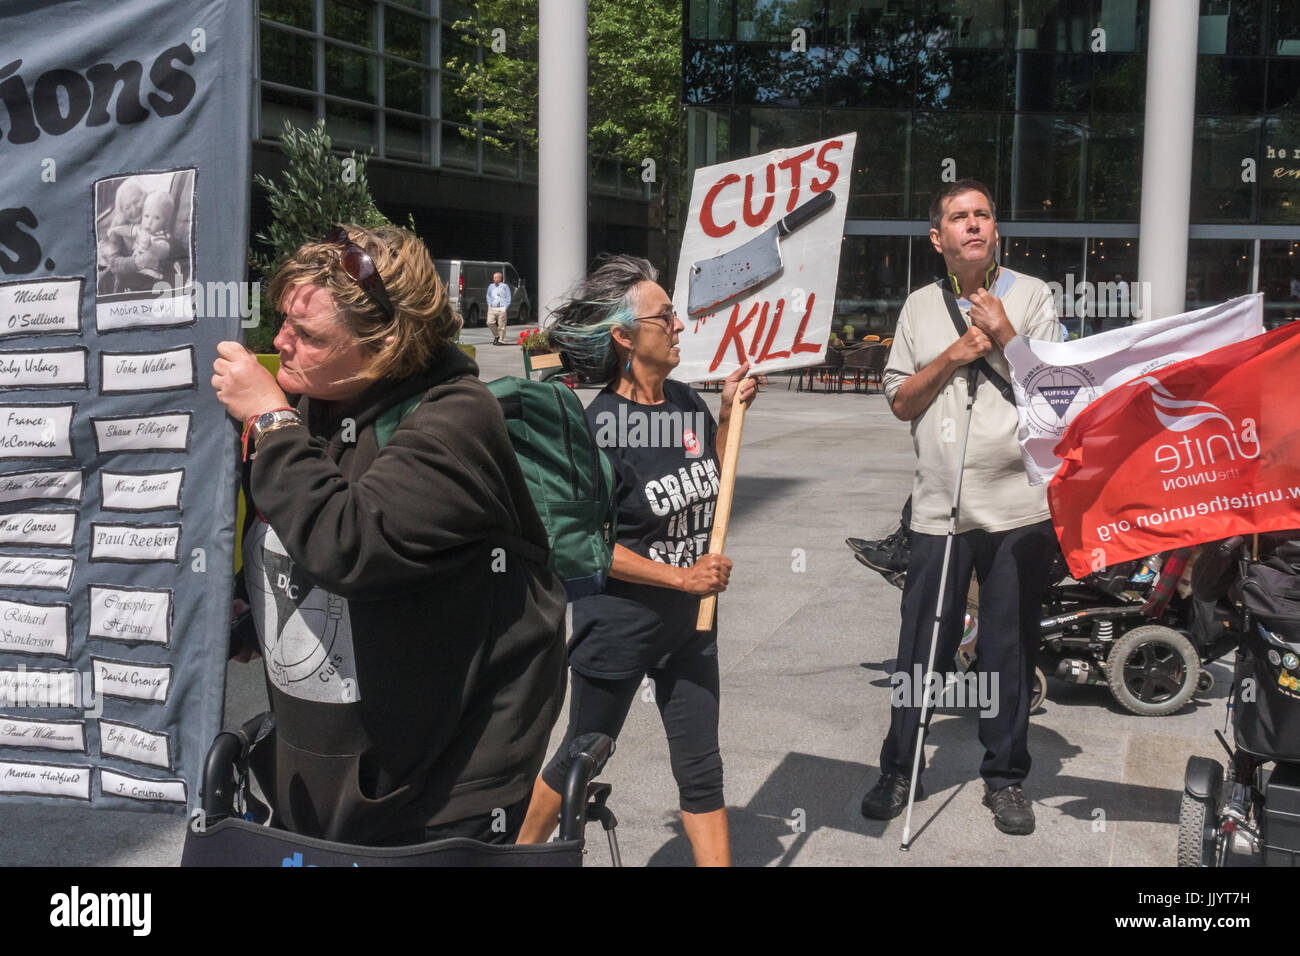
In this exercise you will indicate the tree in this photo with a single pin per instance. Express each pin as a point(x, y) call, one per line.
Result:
point(634, 76)
point(318, 189)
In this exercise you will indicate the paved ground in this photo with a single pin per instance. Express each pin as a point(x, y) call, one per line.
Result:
point(806, 640)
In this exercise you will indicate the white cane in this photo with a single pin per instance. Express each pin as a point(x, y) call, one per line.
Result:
point(971, 383)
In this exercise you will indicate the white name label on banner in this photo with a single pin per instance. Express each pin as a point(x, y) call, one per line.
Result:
point(19, 571)
point(32, 308)
point(169, 432)
point(140, 492)
point(146, 371)
point(136, 615)
point(134, 743)
point(45, 780)
point(115, 784)
point(36, 431)
point(31, 688)
point(43, 734)
point(50, 528)
point(34, 628)
point(154, 311)
point(41, 486)
point(134, 542)
point(39, 369)
point(131, 680)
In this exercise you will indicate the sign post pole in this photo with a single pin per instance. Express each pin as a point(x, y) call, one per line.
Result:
point(726, 488)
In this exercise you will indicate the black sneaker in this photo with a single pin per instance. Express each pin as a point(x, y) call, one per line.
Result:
point(890, 555)
point(888, 798)
point(896, 578)
point(859, 545)
point(1011, 810)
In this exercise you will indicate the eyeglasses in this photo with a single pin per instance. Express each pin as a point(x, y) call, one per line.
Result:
point(667, 318)
point(361, 269)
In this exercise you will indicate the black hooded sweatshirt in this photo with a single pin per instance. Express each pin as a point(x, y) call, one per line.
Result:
point(415, 660)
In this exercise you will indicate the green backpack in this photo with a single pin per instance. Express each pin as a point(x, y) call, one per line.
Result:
point(570, 479)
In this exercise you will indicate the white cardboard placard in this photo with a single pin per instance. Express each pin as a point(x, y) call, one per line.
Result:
point(785, 322)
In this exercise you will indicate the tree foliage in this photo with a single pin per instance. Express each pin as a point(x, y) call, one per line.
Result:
point(634, 75)
point(318, 189)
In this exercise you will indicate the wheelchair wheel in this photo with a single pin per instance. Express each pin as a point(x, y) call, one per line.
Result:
point(1198, 826)
point(1153, 670)
point(1038, 693)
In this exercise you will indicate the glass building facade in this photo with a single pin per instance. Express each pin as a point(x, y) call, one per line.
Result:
point(1043, 100)
point(381, 74)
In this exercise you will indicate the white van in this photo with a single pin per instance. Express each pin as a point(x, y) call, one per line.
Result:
point(468, 280)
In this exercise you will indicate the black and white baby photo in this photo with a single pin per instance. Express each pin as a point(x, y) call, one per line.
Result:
point(143, 234)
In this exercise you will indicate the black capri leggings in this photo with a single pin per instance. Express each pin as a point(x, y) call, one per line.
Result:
point(686, 691)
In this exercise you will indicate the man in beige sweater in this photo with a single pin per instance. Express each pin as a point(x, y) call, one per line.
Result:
point(1004, 535)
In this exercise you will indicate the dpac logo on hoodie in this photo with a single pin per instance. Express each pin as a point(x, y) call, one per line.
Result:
point(306, 632)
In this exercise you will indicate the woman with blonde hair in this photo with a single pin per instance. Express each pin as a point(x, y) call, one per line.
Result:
point(413, 636)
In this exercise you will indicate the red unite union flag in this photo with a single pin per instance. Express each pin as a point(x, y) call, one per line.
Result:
point(1193, 452)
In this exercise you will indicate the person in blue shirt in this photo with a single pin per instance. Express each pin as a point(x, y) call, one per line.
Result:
point(498, 300)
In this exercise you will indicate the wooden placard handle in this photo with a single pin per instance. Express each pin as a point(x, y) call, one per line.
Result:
point(726, 489)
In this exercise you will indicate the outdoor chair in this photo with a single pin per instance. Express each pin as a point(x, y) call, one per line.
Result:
point(876, 357)
point(829, 372)
point(856, 364)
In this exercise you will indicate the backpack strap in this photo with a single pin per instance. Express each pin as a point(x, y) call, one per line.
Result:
point(981, 365)
point(386, 424)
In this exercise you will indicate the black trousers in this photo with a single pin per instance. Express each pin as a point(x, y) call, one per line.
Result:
point(500, 826)
point(686, 692)
point(1012, 570)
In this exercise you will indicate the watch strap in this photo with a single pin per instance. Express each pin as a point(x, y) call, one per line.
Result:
point(252, 431)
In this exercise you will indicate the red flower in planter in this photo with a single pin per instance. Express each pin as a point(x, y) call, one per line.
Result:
point(533, 340)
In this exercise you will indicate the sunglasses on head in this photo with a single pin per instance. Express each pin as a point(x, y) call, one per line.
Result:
point(360, 268)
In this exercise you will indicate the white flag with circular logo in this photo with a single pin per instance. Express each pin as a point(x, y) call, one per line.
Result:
point(1055, 381)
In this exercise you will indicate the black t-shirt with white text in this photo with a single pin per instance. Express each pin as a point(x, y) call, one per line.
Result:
point(666, 476)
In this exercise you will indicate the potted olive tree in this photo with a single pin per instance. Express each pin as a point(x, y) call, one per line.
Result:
point(318, 189)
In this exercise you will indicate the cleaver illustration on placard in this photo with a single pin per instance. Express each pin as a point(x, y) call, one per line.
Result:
point(722, 278)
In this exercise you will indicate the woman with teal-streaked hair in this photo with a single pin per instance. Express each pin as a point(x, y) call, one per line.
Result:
point(619, 328)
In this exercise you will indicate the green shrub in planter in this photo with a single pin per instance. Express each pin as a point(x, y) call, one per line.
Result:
point(318, 189)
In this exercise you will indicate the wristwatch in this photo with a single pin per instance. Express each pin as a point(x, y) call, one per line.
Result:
point(259, 425)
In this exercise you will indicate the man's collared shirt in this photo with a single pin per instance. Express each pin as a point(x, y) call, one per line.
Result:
point(995, 492)
point(498, 296)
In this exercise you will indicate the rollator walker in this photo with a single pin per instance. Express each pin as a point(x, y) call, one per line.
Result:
point(230, 829)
